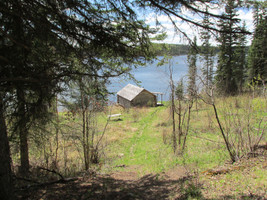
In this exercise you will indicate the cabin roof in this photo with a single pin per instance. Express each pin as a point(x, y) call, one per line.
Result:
point(130, 91)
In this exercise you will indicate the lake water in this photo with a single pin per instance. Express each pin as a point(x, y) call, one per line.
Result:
point(154, 78)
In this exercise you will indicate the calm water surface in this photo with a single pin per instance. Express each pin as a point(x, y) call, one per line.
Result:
point(154, 78)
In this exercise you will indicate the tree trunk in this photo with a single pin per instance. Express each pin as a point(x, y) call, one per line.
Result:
point(174, 139)
point(227, 143)
point(23, 134)
point(179, 122)
point(190, 105)
point(84, 130)
point(6, 184)
point(57, 139)
point(87, 147)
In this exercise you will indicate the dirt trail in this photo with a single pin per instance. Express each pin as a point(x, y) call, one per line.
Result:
point(174, 184)
point(118, 185)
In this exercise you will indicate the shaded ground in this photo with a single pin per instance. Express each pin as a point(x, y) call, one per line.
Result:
point(243, 180)
point(177, 183)
point(118, 185)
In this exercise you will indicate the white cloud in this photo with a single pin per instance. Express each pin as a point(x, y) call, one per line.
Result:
point(189, 29)
point(246, 17)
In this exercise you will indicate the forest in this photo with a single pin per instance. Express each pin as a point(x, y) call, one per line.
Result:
point(170, 49)
point(208, 141)
point(176, 49)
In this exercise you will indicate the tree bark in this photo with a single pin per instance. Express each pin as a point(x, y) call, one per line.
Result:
point(6, 183)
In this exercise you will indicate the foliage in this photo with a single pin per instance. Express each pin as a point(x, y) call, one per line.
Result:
point(242, 129)
point(183, 112)
point(257, 86)
point(179, 90)
point(241, 60)
point(192, 69)
point(224, 75)
point(169, 49)
point(57, 41)
point(6, 182)
point(47, 45)
point(139, 145)
point(207, 53)
point(258, 50)
point(162, 49)
point(87, 99)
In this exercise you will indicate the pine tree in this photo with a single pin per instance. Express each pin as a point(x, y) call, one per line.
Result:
point(207, 53)
point(192, 69)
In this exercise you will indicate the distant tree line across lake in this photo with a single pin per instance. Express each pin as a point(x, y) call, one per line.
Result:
point(162, 49)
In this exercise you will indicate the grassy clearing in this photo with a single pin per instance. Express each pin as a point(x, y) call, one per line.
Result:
point(148, 146)
point(141, 142)
point(145, 140)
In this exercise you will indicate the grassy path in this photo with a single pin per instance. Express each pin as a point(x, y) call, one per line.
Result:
point(145, 148)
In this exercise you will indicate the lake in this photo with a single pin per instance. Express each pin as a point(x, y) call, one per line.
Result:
point(154, 78)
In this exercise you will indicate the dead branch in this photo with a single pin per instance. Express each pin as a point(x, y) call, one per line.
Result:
point(26, 179)
point(48, 183)
point(52, 171)
point(213, 141)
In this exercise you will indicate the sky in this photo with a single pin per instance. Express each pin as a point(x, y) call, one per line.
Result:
point(245, 15)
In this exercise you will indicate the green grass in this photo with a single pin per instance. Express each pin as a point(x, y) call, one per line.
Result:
point(143, 137)
point(144, 146)
point(142, 142)
point(248, 180)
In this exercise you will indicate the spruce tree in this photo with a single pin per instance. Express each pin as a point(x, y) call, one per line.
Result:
point(228, 39)
point(42, 40)
point(257, 62)
point(192, 69)
point(207, 53)
point(6, 179)
point(179, 90)
point(241, 60)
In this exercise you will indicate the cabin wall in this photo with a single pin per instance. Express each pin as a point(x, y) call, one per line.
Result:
point(124, 102)
point(144, 99)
